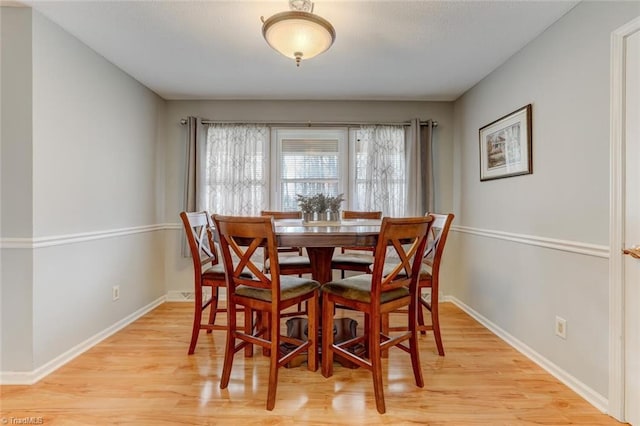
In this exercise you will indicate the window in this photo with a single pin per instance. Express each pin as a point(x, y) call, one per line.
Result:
point(369, 168)
point(307, 162)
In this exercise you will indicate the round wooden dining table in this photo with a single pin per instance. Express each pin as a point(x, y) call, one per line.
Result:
point(321, 239)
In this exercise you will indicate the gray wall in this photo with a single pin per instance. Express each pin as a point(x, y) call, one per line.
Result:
point(179, 270)
point(16, 206)
point(94, 179)
point(521, 286)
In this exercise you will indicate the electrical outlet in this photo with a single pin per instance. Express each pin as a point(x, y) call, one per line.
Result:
point(561, 327)
point(115, 292)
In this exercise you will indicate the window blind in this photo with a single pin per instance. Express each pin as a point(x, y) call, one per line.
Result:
point(308, 167)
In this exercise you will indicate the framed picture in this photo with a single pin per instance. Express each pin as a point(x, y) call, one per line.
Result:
point(505, 146)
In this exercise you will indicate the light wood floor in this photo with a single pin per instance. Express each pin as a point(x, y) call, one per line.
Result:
point(143, 376)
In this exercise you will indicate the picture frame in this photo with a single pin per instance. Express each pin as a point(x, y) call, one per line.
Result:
point(505, 146)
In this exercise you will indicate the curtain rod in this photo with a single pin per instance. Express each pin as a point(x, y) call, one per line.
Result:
point(313, 124)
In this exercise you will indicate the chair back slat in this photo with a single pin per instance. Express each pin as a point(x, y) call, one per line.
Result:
point(244, 236)
point(352, 214)
point(198, 228)
point(437, 238)
point(406, 239)
point(244, 256)
point(282, 215)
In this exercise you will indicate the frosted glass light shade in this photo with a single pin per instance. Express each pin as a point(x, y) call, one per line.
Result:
point(298, 35)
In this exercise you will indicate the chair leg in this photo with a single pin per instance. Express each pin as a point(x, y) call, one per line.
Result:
point(413, 342)
point(435, 321)
point(274, 356)
point(229, 347)
point(197, 321)
point(266, 321)
point(385, 323)
point(248, 329)
point(327, 336)
point(300, 304)
point(385, 330)
point(312, 332)
point(213, 307)
point(367, 333)
point(376, 362)
point(421, 314)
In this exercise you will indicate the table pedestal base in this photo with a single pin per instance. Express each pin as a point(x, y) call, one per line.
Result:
point(343, 329)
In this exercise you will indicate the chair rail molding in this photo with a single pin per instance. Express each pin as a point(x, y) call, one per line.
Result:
point(588, 249)
point(59, 240)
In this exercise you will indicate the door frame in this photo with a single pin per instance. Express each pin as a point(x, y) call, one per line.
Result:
point(616, 220)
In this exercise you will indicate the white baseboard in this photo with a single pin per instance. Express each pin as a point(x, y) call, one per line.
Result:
point(180, 296)
point(593, 397)
point(188, 296)
point(31, 377)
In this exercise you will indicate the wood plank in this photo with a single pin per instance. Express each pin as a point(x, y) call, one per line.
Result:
point(143, 375)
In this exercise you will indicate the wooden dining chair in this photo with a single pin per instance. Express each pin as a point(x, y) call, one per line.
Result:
point(376, 294)
point(357, 259)
point(430, 276)
point(270, 294)
point(430, 279)
point(208, 272)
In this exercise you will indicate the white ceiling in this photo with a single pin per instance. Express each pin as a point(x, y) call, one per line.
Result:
point(384, 50)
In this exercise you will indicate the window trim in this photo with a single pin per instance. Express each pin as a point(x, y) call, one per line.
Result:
point(275, 151)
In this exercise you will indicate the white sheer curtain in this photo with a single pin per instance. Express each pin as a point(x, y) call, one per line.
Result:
point(236, 169)
point(381, 170)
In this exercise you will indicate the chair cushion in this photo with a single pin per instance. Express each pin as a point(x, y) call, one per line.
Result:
point(425, 270)
point(290, 261)
point(215, 272)
point(359, 288)
point(353, 258)
point(290, 287)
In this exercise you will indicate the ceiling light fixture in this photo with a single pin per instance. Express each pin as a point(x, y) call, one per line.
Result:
point(298, 34)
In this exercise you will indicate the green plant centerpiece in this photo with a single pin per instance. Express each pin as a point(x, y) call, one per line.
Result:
point(305, 203)
point(320, 207)
point(333, 207)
